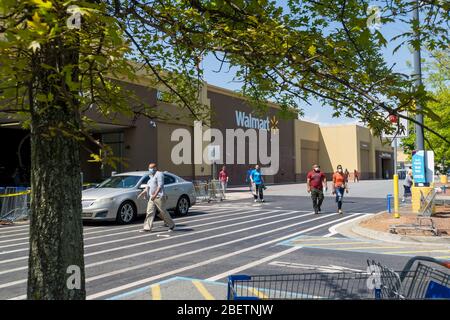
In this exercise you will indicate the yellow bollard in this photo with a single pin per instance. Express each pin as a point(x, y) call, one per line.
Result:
point(396, 213)
point(443, 179)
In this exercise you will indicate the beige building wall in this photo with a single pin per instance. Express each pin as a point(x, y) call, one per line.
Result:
point(338, 146)
point(306, 140)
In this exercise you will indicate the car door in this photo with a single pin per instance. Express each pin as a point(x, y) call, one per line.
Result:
point(141, 202)
point(171, 189)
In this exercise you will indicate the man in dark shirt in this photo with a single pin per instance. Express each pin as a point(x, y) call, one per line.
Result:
point(315, 182)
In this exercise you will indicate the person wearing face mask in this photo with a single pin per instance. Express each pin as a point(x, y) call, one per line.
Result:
point(315, 182)
point(154, 191)
point(339, 186)
point(258, 182)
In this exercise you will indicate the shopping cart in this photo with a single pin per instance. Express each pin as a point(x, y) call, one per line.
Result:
point(422, 278)
point(207, 191)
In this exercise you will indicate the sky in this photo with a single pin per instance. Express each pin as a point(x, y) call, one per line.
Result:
point(316, 112)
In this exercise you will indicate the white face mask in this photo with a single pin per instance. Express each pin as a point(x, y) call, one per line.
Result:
point(340, 170)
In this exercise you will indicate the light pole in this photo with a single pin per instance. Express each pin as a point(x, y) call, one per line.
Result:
point(418, 82)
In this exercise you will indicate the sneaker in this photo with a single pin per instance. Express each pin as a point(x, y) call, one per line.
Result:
point(316, 211)
point(256, 200)
point(340, 211)
point(320, 209)
point(171, 229)
point(263, 200)
point(144, 230)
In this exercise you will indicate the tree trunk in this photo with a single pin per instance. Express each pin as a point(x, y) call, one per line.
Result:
point(56, 256)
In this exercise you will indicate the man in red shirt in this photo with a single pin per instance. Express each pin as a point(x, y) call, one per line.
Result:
point(223, 178)
point(315, 181)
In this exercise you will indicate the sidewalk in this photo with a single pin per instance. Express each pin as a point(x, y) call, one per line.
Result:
point(376, 227)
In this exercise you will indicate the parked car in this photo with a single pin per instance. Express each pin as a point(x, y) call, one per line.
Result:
point(116, 197)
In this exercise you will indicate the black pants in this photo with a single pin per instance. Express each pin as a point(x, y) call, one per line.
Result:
point(317, 198)
point(258, 192)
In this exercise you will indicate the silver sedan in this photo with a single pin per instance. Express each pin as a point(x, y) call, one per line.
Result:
point(115, 199)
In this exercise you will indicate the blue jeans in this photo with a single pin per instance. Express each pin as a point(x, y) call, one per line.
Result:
point(339, 196)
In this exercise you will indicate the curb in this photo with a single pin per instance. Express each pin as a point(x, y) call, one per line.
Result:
point(356, 229)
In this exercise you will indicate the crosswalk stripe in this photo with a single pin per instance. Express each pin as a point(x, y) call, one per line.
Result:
point(156, 292)
point(218, 258)
point(203, 291)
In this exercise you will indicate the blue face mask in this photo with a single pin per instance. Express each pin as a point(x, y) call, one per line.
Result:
point(152, 171)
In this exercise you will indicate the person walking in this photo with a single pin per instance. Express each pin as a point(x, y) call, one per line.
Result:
point(355, 176)
point(154, 191)
point(339, 186)
point(248, 180)
point(258, 184)
point(223, 179)
point(346, 174)
point(315, 182)
point(407, 184)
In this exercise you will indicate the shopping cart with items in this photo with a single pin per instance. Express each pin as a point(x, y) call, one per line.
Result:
point(421, 278)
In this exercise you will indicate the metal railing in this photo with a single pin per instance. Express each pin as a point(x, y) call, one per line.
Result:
point(14, 203)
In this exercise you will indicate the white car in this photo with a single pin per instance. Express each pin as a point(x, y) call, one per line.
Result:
point(115, 199)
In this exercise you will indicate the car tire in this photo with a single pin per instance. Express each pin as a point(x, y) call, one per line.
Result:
point(126, 213)
point(183, 205)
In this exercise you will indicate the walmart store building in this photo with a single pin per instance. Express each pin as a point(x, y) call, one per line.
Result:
point(138, 141)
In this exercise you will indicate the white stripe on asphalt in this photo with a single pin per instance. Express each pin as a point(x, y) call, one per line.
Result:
point(274, 256)
point(146, 242)
point(253, 264)
point(141, 243)
point(176, 221)
point(104, 275)
point(133, 231)
point(196, 265)
point(195, 232)
point(193, 241)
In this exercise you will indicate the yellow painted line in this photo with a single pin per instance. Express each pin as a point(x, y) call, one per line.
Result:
point(373, 247)
point(203, 291)
point(156, 292)
point(257, 293)
point(332, 244)
point(443, 257)
point(418, 251)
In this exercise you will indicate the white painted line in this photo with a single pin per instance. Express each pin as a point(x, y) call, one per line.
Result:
point(253, 264)
point(147, 242)
point(11, 240)
point(316, 268)
point(176, 221)
point(222, 257)
point(104, 275)
point(13, 270)
point(136, 228)
point(184, 243)
point(10, 284)
point(14, 245)
point(178, 244)
point(22, 297)
point(332, 229)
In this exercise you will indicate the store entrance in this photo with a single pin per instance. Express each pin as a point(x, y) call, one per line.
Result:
point(386, 168)
point(15, 161)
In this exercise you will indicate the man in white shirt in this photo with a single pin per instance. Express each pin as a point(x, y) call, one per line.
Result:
point(154, 191)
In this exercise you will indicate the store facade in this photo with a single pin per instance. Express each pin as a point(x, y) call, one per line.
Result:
point(139, 140)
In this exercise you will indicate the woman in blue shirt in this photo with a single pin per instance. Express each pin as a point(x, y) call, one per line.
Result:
point(257, 179)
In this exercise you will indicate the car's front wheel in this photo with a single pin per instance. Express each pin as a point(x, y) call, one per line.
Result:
point(126, 212)
point(182, 206)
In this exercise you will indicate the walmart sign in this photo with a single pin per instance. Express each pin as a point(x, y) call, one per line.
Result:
point(248, 121)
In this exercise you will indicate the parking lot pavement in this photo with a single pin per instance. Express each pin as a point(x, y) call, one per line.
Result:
point(213, 241)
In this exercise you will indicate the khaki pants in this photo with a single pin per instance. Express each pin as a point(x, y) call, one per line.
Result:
point(160, 204)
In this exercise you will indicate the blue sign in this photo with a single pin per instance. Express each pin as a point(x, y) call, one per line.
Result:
point(418, 167)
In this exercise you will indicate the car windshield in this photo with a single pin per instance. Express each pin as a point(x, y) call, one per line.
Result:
point(120, 182)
